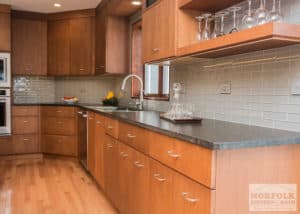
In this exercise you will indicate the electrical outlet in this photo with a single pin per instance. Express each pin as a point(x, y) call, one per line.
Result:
point(295, 90)
point(225, 88)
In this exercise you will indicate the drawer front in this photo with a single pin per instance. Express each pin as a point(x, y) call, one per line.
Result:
point(25, 111)
point(135, 137)
point(25, 125)
point(58, 111)
point(100, 120)
point(111, 127)
point(60, 145)
point(26, 144)
point(191, 197)
point(59, 126)
point(194, 161)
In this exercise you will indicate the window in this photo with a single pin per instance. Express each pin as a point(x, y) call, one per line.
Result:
point(156, 77)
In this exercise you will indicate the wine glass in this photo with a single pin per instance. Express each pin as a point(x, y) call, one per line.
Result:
point(199, 33)
point(234, 10)
point(275, 16)
point(222, 15)
point(261, 14)
point(248, 19)
point(206, 30)
point(214, 32)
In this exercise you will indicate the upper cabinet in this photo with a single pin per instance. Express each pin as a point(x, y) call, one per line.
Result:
point(5, 31)
point(71, 43)
point(112, 42)
point(159, 37)
point(29, 43)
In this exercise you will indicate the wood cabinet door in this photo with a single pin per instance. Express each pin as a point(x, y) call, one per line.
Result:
point(82, 46)
point(5, 32)
point(91, 143)
point(140, 183)
point(100, 41)
point(29, 46)
point(59, 47)
point(161, 188)
point(111, 167)
point(99, 149)
point(159, 31)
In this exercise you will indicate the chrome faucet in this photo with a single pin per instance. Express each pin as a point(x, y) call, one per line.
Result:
point(141, 101)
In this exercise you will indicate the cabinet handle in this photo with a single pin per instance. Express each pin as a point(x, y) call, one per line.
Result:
point(192, 200)
point(25, 121)
point(58, 111)
point(123, 154)
point(158, 177)
point(155, 49)
point(84, 115)
point(110, 127)
point(138, 164)
point(109, 146)
point(82, 69)
point(91, 118)
point(80, 112)
point(131, 136)
point(173, 155)
point(98, 122)
point(26, 139)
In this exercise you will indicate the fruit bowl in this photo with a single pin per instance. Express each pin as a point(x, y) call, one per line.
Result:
point(70, 100)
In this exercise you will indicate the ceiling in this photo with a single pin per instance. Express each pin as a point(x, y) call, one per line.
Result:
point(46, 6)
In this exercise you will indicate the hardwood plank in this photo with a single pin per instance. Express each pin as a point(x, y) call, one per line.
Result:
point(49, 186)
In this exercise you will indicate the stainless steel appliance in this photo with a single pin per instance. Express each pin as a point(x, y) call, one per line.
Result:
point(5, 70)
point(5, 111)
point(82, 137)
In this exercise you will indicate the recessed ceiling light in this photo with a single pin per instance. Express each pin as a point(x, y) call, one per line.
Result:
point(137, 3)
point(57, 5)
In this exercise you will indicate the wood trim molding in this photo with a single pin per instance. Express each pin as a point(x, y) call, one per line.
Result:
point(72, 14)
point(28, 15)
point(4, 8)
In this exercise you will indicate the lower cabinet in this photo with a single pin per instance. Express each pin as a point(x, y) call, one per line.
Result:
point(59, 144)
point(91, 143)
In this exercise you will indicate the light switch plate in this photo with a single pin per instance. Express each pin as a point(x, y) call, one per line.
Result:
point(225, 88)
point(295, 89)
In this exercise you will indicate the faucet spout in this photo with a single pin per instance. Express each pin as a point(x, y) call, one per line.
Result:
point(141, 101)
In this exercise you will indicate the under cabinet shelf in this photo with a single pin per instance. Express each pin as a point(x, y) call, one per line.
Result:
point(207, 6)
point(268, 36)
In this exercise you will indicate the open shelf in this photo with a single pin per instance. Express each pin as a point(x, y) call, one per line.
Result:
point(207, 6)
point(271, 35)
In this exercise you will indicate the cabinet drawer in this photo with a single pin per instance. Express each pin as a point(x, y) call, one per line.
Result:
point(100, 120)
point(25, 111)
point(25, 125)
point(26, 144)
point(111, 127)
point(134, 136)
point(194, 161)
point(59, 126)
point(191, 197)
point(60, 145)
point(58, 111)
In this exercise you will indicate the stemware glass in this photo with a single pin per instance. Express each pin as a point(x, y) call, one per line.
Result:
point(222, 15)
point(261, 14)
point(234, 10)
point(206, 30)
point(214, 32)
point(274, 15)
point(199, 33)
point(248, 19)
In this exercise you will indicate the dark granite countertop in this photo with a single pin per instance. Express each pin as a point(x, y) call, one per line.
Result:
point(212, 134)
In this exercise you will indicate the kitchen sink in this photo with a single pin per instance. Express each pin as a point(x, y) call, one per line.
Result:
point(113, 109)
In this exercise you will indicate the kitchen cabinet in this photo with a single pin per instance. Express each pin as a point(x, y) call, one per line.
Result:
point(59, 130)
point(71, 43)
point(112, 43)
point(159, 36)
point(5, 28)
point(29, 45)
point(91, 143)
point(99, 149)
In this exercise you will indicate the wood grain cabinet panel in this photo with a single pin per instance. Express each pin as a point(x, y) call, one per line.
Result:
point(26, 111)
point(111, 127)
point(159, 31)
point(29, 43)
point(58, 111)
point(25, 125)
point(5, 28)
point(26, 144)
point(135, 137)
point(91, 157)
point(82, 46)
point(58, 47)
point(60, 145)
point(194, 161)
point(58, 126)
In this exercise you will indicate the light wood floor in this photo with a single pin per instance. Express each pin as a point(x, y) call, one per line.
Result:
point(42, 186)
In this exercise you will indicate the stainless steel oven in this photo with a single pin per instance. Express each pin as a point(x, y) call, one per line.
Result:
point(5, 111)
point(5, 72)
